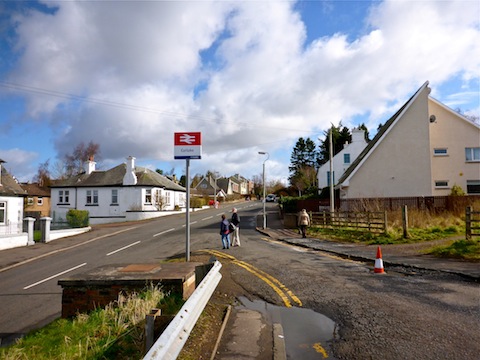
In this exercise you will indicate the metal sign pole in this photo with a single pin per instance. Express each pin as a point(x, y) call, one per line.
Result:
point(187, 213)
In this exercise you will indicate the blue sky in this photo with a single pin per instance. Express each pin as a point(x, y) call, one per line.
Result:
point(250, 76)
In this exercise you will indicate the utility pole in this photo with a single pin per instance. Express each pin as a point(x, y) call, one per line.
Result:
point(332, 198)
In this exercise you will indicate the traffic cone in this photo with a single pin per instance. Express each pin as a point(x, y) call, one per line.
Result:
point(378, 262)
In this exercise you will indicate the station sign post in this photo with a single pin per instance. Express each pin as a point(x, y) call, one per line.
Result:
point(187, 145)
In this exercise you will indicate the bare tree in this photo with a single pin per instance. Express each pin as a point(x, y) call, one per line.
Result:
point(74, 162)
point(43, 177)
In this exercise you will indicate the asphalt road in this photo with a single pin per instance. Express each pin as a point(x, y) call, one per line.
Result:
point(29, 293)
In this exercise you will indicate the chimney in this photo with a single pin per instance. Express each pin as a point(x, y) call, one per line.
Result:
point(358, 135)
point(130, 178)
point(90, 165)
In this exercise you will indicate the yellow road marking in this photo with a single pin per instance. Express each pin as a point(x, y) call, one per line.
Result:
point(319, 349)
point(281, 289)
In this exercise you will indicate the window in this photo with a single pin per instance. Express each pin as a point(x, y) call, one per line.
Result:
point(114, 197)
point(441, 183)
point(328, 178)
point(472, 154)
point(440, 152)
point(167, 198)
point(473, 186)
point(30, 201)
point(40, 201)
point(63, 196)
point(3, 212)
point(92, 197)
point(148, 196)
point(346, 158)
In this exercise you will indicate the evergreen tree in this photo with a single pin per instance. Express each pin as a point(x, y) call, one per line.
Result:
point(303, 163)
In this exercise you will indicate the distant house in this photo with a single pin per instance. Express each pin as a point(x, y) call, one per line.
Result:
point(241, 185)
point(424, 149)
point(123, 193)
point(208, 186)
point(342, 160)
point(37, 200)
point(11, 204)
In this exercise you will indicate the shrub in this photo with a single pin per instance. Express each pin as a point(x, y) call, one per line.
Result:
point(77, 218)
point(457, 191)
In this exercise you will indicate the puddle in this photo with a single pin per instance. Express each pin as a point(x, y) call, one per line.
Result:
point(306, 332)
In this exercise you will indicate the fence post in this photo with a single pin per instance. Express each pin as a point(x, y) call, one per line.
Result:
point(468, 222)
point(405, 221)
point(29, 225)
point(385, 221)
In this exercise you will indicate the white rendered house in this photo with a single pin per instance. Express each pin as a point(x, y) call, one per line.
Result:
point(11, 204)
point(342, 160)
point(123, 193)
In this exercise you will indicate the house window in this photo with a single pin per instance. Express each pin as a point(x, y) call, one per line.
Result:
point(148, 196)
point(40, 201)
point(30, 201)
point(167, 198)
point(328, 178)
point(346, 158)
point(472, 154)
point(203, 186)
point(3, 212)
point(473, 186)
point(440, 152)
point(92, 197)
point(63, 196)
point(441, 184)
point(114, 197)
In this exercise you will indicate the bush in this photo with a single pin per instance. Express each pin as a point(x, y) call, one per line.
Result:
point(197, 202)
point(77, 218)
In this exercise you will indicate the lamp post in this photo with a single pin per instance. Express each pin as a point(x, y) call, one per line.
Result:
point(264, 212)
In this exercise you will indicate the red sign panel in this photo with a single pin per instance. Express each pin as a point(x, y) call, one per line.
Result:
point(188, 139)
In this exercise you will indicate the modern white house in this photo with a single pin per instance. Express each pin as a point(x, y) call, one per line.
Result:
point(123, 193)
point(424, 149)
point(11, 204)
point(342, 160)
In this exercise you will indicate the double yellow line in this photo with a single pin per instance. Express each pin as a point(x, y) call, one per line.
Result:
point(282, 291)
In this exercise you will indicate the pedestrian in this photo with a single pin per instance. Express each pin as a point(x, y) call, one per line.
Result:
point(303, 222)
point(224, 232)
point(235, 220)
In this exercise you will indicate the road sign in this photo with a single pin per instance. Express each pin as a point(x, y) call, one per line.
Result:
point(188, 145)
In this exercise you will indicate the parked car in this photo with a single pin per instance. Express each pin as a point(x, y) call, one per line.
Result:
point(270, 198)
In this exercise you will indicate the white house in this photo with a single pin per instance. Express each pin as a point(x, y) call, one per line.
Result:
point(424, 149)
point(11, 204)
point(123, 193)
point(343, 159)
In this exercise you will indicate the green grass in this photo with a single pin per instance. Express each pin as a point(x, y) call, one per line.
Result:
point(115, 332)
point(460, 249)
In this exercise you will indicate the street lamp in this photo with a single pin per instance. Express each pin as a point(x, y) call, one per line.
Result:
point(264, 212)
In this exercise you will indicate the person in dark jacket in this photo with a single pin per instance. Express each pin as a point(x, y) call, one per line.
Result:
point(224, 232)
point(236, 232)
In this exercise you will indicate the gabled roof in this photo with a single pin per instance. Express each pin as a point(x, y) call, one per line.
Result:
point(8, 185)
point(114, 177)
point(35, 190)
point(379, 136)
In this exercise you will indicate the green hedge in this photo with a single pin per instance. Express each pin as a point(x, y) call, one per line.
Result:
point(78, 218)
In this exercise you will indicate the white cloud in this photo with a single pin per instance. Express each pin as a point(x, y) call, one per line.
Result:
point(263, 88)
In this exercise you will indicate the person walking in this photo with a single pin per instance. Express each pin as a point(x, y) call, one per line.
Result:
point(235, 220)
point(303, 222)
point(224, 232)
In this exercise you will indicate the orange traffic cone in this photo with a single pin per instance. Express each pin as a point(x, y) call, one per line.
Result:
point(378, 262)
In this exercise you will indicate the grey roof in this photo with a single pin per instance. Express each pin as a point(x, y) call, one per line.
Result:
point(378, 136)
point(114, 177)
point(8, 185)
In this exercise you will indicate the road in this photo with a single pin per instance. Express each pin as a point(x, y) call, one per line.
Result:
point(30, 296)
point(421, 315)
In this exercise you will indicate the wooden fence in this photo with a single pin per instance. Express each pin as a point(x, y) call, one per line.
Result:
point(371, 221)
point(472, 223)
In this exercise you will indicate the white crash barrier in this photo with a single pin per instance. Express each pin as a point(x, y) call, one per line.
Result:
point(172, 340)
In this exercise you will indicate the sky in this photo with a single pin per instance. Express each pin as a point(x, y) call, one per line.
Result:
point(251, 76)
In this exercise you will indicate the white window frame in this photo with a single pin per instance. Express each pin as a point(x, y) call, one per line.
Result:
point(441, 184)
point(63, 196)
point(3, 212)
point(440, 152)
point(345, 158)
point(30, 201)
point(92, 197)
point(40, 201)
point(167, 198)
point(114, 196)
point(472, 183)
point(472, 154)
point(148, 197)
